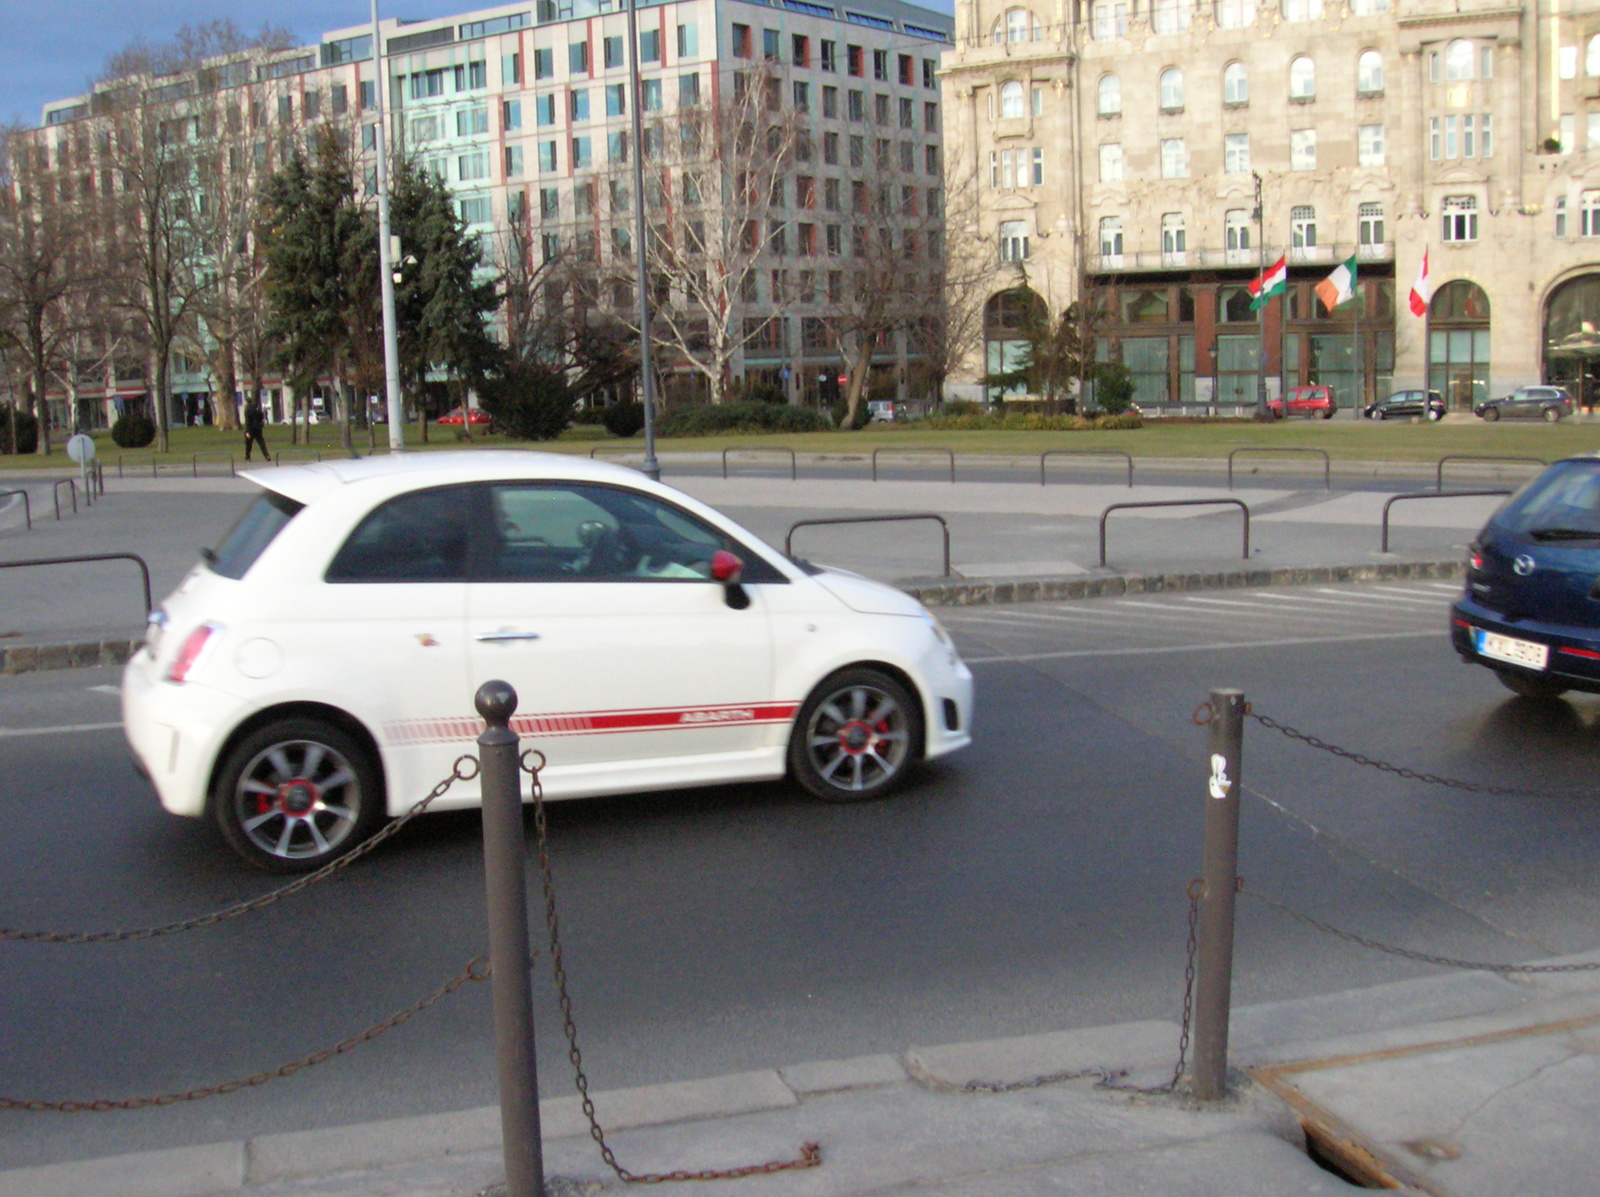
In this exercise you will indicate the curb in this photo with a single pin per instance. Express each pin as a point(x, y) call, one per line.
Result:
point(73, 654)
point(945, 592)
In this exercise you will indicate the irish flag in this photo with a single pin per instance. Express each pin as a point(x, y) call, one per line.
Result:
point(1339, 287)
point(1274, 282)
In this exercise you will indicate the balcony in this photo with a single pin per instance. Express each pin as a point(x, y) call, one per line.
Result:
point(1252, 258)
point(1301, 255)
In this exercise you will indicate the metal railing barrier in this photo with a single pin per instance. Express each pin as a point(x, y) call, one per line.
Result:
point(1239, 503)
point(618, 450)
point(1327, 464)
point(97, 471)
point(194, 462)
point(1429, 494)
point(277, 458)
point(27, 507)
point(944, 527)
point(144, 570)
point(1128, 457)
point(913, 449)
point(123, 458)
point(1438, 473)
point(55, 493)
point(793, 470)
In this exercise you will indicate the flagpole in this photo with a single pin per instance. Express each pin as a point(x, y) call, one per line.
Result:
point(1261, 312)
point(1361, 373)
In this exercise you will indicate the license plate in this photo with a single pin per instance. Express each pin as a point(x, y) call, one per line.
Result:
point(1510, 649)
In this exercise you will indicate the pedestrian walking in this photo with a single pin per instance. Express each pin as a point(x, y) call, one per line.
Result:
point(255, 420)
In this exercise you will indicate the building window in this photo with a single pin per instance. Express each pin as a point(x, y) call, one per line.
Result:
point(1369, 73)
point(1013, 241)
point(1369, 145)
point(1460, 218)
point(1235, 14)
point(1018, 25)
point(1302, 79)
point(472, 121)
point(549, 203)
point(688, 41)
point(1172, 16)
point(513, 161)
point(930, 117)
point(1302, 10)
point(1111, 162)
point(1369, 224)
point(1173, 239)
point(544, 111)
point(580, 104)
point(1111, 237)
point(650, 45)
point(547, 157)
point(578, 58)
point(1174, 158)
point(581, 154)
point(1037, 166)
point(1368, 8)
point(1236, 234)
point(472, 166)
point(1172, 90)
point(1302, 149)
point(855, 61)
point(1236, 84)
point(651, 89)
point(1110, 93)
point(1302, 227)
point(770, 49)
point(856, 106)
point(1108, 20)
point(1589, 214)
point(1011, 100)
point(1591, 58)
point(511, 115)
point(1236, 154)
point(741, 41)
point(1459, 59)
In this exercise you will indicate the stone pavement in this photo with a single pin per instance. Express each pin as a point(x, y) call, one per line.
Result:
point(1458, 1085)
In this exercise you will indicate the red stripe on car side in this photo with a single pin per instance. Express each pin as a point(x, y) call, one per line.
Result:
point(588, 723)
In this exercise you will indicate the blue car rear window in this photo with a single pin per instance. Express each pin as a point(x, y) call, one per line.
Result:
point(1565, 498)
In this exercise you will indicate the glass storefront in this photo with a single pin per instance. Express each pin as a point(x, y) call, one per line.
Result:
point(1458, 344)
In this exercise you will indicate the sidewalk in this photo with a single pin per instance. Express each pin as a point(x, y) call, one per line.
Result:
point(1460, 1085)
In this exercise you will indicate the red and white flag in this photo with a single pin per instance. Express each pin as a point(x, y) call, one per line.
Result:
point(1422, 289)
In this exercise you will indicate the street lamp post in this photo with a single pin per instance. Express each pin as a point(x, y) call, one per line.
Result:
point(651, 467)
point(386, 254)
point(1261, 312)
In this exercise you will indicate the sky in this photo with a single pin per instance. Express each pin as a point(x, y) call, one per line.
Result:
point(52, 48)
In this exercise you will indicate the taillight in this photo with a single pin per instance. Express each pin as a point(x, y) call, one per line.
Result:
point(1475, 557)
point(193, 652)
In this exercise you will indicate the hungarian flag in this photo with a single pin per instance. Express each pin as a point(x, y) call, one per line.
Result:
point(1339, 287)
point(1274, 282)
point(1422, 289)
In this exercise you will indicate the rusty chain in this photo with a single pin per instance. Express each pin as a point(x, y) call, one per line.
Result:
point(810, 1153)
point(476, 969)
point(457, 773)
point(1476, 966)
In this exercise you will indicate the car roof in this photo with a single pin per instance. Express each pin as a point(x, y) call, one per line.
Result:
point(395, 473)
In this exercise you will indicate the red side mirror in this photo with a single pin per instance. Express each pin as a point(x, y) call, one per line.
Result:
point(726, 567)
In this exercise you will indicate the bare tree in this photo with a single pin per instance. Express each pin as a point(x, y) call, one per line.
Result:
point(715, 175)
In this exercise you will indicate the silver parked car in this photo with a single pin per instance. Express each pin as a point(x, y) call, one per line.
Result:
point(1528, 403)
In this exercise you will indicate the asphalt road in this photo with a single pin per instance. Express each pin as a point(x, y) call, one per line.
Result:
point(1032, 883)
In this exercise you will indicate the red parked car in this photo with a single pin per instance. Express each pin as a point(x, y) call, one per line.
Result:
point(1307, 402)
point(456, 416)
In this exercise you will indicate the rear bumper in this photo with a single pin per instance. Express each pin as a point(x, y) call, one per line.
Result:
point(1574, 652)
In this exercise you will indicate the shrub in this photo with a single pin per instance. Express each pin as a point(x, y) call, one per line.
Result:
point(589, 415)
point(961, 407)
point(623, 419)
point(1032, 422)
point(528, 402)
point(1113, 387)
point(27, 430)
point(133, 431)
point(710, 420)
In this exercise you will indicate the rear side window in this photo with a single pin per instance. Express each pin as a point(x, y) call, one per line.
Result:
point(1565, 498)
point(256, 529)
point(419, 537)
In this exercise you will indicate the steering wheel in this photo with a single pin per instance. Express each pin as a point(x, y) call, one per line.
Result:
point(609, 549)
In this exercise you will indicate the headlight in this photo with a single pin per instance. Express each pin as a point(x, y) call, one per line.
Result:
point(938, 628)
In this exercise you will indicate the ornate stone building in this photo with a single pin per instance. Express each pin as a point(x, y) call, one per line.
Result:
point(1153, 155)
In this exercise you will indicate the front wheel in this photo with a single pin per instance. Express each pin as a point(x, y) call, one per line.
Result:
point(858, 735)
point(295, 794)
point(1530, 687)
point(1491, 414)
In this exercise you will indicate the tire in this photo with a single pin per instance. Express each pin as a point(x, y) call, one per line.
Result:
point(1328, 415)
point(858, 736)
point(1491, 414)
point(1530, 687)
point(1552, 414)
point(295, 794)
point(1435, 416)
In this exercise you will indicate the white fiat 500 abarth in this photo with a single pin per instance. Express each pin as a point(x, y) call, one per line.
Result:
point(314, 674)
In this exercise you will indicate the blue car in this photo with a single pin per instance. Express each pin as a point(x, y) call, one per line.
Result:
point(1531, 610)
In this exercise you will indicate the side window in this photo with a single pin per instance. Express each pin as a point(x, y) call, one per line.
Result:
point(419, 537)
point(574, 532)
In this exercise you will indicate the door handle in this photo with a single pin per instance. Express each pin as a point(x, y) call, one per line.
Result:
point(499, 637)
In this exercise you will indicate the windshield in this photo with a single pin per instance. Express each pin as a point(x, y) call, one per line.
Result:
point(257, 527)
point(1564, 500)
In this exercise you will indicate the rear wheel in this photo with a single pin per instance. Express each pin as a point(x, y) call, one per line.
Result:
point(1552, 414)
point(1435, 415)
point(1528, 686)
point(858, 735)
point(295, 794)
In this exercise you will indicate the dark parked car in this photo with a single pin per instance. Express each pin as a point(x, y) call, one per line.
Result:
point(1406, 404)
point(1531, 610)
point(1307, 402)
point(1528, 403)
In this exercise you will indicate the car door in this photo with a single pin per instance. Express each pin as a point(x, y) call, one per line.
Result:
point(632, 669)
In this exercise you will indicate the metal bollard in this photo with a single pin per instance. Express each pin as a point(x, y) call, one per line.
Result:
point(503, 857)
point(1219, 875)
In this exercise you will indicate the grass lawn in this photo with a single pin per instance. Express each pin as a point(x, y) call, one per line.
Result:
point(1343, 440)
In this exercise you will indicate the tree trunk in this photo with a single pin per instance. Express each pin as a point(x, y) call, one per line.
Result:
point(860, 371)
point(160, 402)
point(344, 415)
point(228, 390)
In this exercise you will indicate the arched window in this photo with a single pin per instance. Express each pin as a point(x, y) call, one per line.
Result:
point(1011, 100)
point(1458, 60)
point(1302, 78)
point(1110, 95)
point(1172, 16)
point(1236, 84)
point(1173, 238)
point(1302, 226)
point(1172, 90)
point(1369, 73)
point(1458, 343)
point(1006, 319)
point(1591, 59)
